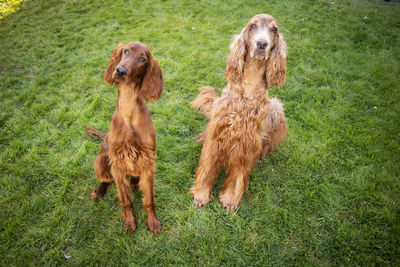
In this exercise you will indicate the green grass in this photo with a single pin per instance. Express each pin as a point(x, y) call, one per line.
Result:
point(329, 195)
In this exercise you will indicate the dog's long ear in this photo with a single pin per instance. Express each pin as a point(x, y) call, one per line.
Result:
point(276, 63)
point(114, 61)
point(235, 63)
point(152, 84)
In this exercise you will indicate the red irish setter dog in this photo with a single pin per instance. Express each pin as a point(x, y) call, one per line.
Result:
point(244, 123)
point(129, 148)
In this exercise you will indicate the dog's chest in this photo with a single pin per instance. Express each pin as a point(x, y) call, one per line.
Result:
point(240, 122)
point(128, 151)
point(243, 113)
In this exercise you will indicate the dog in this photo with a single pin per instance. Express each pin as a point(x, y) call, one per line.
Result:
point(127, 156)
point(244, 123)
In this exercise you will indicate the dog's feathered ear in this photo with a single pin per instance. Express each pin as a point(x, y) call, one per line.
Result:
point(235, 63)
point(114, 61)
point(152, 84)
point(276, 63)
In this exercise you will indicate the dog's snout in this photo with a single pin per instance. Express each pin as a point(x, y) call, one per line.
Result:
point(262, 44)
point(121, 71)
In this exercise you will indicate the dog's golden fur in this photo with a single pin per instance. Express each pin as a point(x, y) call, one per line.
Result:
point(129, 147)
point(244, 123)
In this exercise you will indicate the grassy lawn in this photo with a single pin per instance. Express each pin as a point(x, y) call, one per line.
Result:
point(330, 194)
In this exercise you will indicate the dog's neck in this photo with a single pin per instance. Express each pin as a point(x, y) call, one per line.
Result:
point(129, 102)
point(253, 78)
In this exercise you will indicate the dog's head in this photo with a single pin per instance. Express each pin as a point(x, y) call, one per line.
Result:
point(261, 40)
point(133, 63)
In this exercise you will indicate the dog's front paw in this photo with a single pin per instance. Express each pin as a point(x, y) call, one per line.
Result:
point(227, 203)
point(154, 226)
point(130, 226)
point(200, 199)
point(230, 206)
point(199, 203)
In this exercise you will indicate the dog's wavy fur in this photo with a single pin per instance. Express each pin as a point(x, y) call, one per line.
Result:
point(129, 147)
point(244, 123)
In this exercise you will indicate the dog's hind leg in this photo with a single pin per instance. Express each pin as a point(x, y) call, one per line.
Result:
point(276, 128)
point(100, 191)
point(135, 182)
point(103, 173)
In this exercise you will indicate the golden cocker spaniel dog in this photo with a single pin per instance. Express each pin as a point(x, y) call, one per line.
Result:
point(244, 123)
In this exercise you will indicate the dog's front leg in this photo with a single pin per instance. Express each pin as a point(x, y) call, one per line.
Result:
point(206, 174)
point(125, 196)
point(146, 184)
point(235, 185)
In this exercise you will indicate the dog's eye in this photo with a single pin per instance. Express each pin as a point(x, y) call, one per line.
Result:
point(274, 29)
point(126, 51)
point(253, 26)
point(141, 60)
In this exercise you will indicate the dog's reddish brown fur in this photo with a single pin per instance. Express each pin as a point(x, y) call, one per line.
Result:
point(127, 156)
point(244, 123)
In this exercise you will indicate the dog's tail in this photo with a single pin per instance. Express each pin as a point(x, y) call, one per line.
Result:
point(93, 132)
point(205, 100)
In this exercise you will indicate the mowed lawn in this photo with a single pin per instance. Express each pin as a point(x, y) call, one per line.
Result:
point(329, 194)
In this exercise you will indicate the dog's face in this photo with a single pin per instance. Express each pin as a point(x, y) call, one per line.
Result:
point(260, 40)
point(135, 59)
point(134, 64)
point(262, 34)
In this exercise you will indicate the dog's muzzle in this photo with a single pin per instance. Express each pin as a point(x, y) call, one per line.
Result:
point(262, 44)
point(121, 71)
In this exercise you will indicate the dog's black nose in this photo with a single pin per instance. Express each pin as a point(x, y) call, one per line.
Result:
point(262, 44)
point(121, 71)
